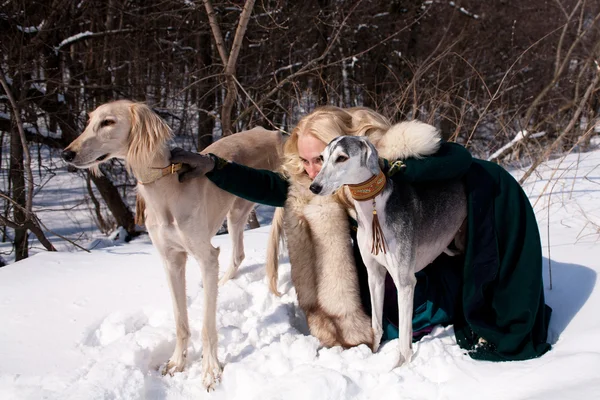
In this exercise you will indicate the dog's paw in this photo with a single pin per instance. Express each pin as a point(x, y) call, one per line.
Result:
point(211, 374)
point(171, 367)
point(175, 364)
point(377, 335)
point(404, 356)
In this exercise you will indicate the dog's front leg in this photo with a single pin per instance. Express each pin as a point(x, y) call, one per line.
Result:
point(208, 259)
point(405, 282)
point(376, 275)
point(174, 262)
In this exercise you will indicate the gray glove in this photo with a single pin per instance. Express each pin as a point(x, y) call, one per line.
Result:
point(195, 164)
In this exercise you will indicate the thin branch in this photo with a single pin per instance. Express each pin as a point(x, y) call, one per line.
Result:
point(497, 92)
point(230, 68)
point(570, 126)
point(257, 107)
point(310, 66)
point(562, 36)
point(31, 225)
point(557, 74)
point(85, 35)
point(214, 26)
point(239, 36)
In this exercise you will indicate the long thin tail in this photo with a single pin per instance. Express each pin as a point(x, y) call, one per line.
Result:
point(140, 209)
point(272, 263)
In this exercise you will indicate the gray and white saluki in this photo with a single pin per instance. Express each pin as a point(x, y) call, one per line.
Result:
point(402, 227)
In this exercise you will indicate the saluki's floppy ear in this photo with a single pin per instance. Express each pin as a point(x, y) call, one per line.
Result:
point(148, 133)
point(371, 155)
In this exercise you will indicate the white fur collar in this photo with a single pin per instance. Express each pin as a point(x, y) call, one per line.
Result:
point(409, 139)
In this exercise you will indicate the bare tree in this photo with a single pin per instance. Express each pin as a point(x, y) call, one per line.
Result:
point(229, 60)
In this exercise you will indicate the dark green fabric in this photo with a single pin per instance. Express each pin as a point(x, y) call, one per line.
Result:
point(257, 185)
point(450, 162)
point(503, 296)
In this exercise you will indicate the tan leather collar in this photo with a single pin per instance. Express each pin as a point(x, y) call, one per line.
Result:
point(153, 174)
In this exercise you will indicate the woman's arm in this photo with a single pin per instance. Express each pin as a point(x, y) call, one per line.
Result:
point(256, 185)
point(451, 161)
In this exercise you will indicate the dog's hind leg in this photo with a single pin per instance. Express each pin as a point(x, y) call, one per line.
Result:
point(174, 262)
point(376, 277)
point(208, 259)
point(236, 222)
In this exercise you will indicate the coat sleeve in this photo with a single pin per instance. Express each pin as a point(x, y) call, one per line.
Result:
point(256, 185)
point(451, 161)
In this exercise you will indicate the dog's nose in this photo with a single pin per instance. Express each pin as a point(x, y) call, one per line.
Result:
point(68, 155)
point(316, 188)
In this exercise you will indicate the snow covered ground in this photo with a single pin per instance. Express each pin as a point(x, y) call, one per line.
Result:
point(76, 325)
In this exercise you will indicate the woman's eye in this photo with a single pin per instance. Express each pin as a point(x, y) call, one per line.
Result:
point(341, 159)
point(106, 122)
point(320, 160)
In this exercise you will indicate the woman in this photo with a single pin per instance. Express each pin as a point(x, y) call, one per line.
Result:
point(493, 296)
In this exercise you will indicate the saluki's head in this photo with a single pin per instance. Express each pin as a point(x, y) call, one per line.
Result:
point(347, 160)
point(120, 129)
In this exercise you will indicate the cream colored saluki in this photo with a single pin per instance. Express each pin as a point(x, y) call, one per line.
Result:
point(181, 218)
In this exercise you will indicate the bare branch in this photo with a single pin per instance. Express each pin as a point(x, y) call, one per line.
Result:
point(257, 107)
point(572, 122)
point(31, 223)
point(214, 26)
point(85, 35)
point(239, 37)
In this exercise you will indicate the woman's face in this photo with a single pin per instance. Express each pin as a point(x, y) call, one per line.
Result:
point(309, 150)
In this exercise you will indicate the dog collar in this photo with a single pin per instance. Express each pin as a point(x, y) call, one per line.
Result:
point(368, 189)
point(154, 174)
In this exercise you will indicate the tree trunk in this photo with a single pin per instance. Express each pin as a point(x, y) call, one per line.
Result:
point(115, 203)
point(205, 103)
point(230, 60)
point(17, 179)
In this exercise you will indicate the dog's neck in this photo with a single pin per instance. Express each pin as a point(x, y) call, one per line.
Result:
point(370, 198)
point(368, 189)
point(157, 167)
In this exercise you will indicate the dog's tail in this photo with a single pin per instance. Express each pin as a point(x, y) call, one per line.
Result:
point(140, 209)
point(272, 263)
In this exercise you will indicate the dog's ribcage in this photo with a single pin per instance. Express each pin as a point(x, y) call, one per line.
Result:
point(417, 220)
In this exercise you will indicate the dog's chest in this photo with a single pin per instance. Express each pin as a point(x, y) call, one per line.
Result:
point(365, 235)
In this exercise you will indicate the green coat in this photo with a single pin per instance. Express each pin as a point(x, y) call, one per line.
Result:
point(503, 294)
point(494, 291)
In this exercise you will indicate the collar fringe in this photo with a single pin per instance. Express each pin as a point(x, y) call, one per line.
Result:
point(378, 242)
point(368, 189)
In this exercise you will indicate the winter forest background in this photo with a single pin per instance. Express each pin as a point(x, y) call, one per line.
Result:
point(514, 81)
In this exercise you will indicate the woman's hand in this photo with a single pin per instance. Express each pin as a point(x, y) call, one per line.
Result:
point(197, 164)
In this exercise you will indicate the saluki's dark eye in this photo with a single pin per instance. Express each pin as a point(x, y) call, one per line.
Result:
point(341, 159)
point(106, 122)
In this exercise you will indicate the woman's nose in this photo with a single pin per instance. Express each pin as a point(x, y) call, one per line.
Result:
point(313, 170)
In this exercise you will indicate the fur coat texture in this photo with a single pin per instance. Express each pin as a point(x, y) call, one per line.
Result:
point(317, 230)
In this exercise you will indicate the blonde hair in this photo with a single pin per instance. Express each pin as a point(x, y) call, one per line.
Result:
point(326, 123)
